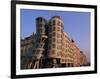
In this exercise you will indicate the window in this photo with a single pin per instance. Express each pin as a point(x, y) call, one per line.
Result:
point(40, 30)
point(62, 31)
point(54, 22)
point(22, 51)
point(58, 53)
point(66, 45)
point(50, 29)
point(50, 35)
point(38, 51)
point(36, 45)
point(54, 40)
point(49, 23)
point(58, 41)
point(58, 35)
point(63, 60)
point(53, 52)
point(58, 29)
point(58, 23)
point(54, 28)
point(33, 51)
point(54, 33)
point(62, 25)
point(53, 45)
point(50, 41)
point(49, 46)
point(66, 50)
point(68, 64)
point(59, 47)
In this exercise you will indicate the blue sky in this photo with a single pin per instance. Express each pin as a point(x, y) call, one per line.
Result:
point(76, 24)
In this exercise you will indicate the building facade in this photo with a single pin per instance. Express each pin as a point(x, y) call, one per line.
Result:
point(83, 60)
point(59, 49)
point(27, 46)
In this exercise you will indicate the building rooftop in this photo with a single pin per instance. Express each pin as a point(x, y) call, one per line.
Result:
point(56, 17)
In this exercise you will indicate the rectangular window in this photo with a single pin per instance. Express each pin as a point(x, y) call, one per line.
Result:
point(53, 52)
point(50, 29)
point(50, 41)
point(58, 23)
point(59, 53)
point(38, 51)
point(40, 30)
point(58, 29)
point(53, 45)
point(58, 41)
point(49, 46)
point(54, 40)
point(54, 33)
point(58, 35)
point(59, 47)
point(50, 35)
point(54, 28)
point(54, 22)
